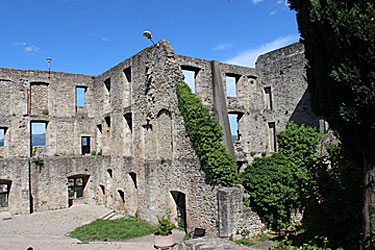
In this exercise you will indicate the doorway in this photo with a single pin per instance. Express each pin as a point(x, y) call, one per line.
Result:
point(76, 186)
point(180, 203)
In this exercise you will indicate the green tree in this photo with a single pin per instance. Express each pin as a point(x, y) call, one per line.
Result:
point(333, 208)
point(339, 39)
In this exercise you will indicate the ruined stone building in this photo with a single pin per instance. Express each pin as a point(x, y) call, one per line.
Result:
point(119, 138)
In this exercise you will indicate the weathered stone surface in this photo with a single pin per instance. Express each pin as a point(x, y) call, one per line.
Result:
point(146, 165)
point(216, 243)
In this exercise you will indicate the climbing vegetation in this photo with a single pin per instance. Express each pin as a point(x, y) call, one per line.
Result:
point(206, 135)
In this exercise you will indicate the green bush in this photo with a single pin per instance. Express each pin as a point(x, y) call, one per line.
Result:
point(278, 184)
point(206, 135)
point(273, 190)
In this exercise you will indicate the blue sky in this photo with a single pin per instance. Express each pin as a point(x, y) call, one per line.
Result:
point(91, 36)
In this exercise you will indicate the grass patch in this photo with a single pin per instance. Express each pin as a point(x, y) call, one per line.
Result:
point(245, 242)
point(112, 230)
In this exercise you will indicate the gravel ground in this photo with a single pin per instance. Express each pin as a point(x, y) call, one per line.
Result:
point(47, 230)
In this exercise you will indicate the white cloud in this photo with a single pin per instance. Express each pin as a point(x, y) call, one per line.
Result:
point(248, 57)
point(257, 1)
point(273, 12)
point(105, 39)
point(223, 46)
point(25, 46)
point(31, 48)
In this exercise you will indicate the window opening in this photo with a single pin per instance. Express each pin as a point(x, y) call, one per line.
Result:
point(272, 136)
point(102, 188)
point(108, 121)
point(85, 145)
point(268, 94)
point(189, 79)
point(2, 137)
point(128, 118)
point(128, 74)
point(99, 126)
point(107, 84)
point(134, 178)
point(231, 81)
point(233, 123)
point(80, 96)
point(38, 133)
point(109, 171)
point(4, 193)
point(122, 195)
point(190, 73)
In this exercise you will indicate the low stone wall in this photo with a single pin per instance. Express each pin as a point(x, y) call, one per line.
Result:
point(234, 219)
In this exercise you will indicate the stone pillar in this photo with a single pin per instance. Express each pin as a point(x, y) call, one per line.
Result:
point(230, 206)
point(220, 106)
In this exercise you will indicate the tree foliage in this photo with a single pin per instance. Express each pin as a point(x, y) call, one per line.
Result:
point(206, 135)
point(339, 39)
point(334, 206)
point(277, 184)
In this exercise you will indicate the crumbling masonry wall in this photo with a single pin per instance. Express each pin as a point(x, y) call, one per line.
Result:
point(128, 141)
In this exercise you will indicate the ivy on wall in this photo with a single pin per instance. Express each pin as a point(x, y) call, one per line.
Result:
point(206, 135)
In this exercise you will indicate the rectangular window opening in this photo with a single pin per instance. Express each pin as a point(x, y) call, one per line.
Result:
point(189, 79)
point(231, 82)
point(268, 96)
point(2, 136)
point(128, 118)
point(233, 123)
point(272, 136)
point(107, 120)
point(128, 74)
point(85, 145)
point(38, 133)
point(4, 194)
point(81, 96)
point(107, 84)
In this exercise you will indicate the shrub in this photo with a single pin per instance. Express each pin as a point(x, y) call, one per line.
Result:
point(278, 184)
point(165, 226)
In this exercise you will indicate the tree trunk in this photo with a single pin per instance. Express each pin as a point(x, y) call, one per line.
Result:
point(368, 209)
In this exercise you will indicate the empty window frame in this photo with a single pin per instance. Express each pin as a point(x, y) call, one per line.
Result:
point(85, 145)
point(133, 176)
point(4, 193)
point(233, 123)
point(107, 90)
point(272, 136)
point(81, 96)
point(268, 97)
point(231, 81)
point(190, 73)
point(189, 79)
point(2, 136)
point(129, 122)
point(107, 120)
point(128, 74)
point(38, 133)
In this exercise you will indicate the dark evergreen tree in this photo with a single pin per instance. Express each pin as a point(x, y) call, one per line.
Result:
point(339, 39)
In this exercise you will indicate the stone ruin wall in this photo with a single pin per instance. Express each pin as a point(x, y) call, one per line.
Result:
point(132, 118)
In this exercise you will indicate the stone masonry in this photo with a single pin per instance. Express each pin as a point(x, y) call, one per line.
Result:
point(126, 147)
